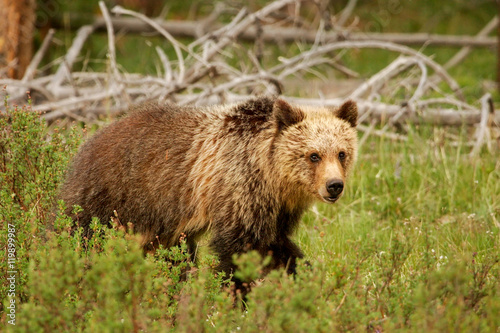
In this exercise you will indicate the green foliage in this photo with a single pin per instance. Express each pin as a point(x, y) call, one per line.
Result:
point(31, 166)
point(414, 246)
point(251, 266)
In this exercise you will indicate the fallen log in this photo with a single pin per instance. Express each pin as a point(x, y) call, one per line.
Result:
point(270, 33)
point(382, 111)
point(377, 111)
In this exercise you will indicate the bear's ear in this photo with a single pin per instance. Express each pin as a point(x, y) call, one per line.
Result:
point(348, 112)
point(285, 114)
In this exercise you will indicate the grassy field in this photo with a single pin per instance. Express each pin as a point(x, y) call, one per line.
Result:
point(413, 246)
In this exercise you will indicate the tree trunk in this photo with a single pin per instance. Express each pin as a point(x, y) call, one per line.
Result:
point(498, 48)
point(16, 35)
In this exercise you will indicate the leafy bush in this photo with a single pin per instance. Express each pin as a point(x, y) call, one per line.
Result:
point(32, 164)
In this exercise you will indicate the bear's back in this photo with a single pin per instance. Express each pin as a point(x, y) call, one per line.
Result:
point(166, 164)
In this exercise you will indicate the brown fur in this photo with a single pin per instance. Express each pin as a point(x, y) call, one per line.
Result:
point(242, 171)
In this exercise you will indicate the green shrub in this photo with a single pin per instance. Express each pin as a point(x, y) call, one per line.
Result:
point(32, 164)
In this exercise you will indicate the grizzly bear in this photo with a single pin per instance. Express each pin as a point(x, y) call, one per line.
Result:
point(245, 172)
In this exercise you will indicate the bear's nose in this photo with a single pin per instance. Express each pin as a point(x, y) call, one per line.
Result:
point(335, 187)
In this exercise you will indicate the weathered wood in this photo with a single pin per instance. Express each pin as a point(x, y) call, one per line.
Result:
point(63, 71)
point(31, 69)
point(378, 111)
point(382, 111)
point(292, 34)
point(486, 111)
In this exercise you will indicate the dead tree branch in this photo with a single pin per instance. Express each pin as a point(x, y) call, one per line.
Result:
point(482, 132)
point(64, 69)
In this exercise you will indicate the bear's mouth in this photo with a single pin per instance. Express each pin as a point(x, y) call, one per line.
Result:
point(331, 199)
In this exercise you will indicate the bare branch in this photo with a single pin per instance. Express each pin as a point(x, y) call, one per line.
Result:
point(378, 110)
point(63, 70)
point(30, 71)
point(166, 64)
point(372, 44)
point(419, 92)
point(177, 46)
point(483, 125)
point(220, 32)
point(346, 12)
point(111, 40)
point(393, 69)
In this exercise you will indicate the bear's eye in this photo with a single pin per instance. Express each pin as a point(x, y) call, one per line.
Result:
point(314, 157)
point(341, 156)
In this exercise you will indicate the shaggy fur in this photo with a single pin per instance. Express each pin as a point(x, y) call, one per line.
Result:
point(245, 171)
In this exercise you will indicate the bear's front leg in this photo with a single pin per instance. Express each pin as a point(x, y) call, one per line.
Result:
point(225, 245)
point(285, 254)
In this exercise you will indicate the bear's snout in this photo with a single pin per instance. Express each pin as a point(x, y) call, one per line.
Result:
point(335, 187)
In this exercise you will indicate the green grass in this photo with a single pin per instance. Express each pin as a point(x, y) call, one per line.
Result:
point(413, 188)
point(413, 246)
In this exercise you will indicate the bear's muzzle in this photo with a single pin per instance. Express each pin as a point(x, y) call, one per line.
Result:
point(334, 188)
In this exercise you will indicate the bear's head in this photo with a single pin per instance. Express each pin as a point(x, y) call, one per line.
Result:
point(315, 148)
